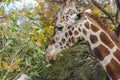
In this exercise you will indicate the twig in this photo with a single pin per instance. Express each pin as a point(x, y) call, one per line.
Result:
point(11, 64)
point(117, 11)
point(106, 17)
point(2, 17)
point(23, 71)
point(56, 1)
point(117, 31)
point(60, 1)
point(3, 42)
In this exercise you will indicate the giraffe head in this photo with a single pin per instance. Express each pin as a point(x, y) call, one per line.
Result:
point(66, 33)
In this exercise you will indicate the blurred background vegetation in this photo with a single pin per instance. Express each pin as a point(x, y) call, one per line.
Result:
point(25, 31)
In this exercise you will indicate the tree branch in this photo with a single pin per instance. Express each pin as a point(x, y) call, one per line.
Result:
point(60, 2)
point(2, 17)
point(117, 11)
point(103, 10)
point(117, 31)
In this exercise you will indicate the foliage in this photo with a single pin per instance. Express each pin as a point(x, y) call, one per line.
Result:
point(21, 52)
point(110, 9)
point(24, 37)
point(22, 44)
point(75, 64)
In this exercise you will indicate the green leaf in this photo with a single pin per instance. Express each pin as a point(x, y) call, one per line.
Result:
point(13, 17)
point(48, 65)
point(8, 2)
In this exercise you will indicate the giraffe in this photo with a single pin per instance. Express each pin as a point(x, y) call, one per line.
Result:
point(73, 26)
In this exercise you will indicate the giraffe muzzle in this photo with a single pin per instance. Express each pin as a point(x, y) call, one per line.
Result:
point(51, 57)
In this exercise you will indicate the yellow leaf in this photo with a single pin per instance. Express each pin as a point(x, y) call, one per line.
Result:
point(5, 65)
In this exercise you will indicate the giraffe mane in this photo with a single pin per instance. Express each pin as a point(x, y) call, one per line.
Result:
point(104, 27)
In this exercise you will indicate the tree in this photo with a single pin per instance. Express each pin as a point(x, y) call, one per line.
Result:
point(114, 18)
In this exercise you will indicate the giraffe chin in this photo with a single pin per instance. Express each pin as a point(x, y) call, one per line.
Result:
point(51, 57)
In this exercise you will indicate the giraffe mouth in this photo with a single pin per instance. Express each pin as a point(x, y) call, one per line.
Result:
point(51, 57)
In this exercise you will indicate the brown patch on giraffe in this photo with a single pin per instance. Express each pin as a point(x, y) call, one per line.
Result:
point(79, 29)
point(69, 40)
point(52, 42)
point(104, 27)
point(67, 16)
point(94, 28)
point(76, 33)
point(66, 34)
point(71, 13)
point(101, 52)
point(67, 44)
point(72, 28)
point(73, 40)
point(84, 32)
point(87, 25)
point(61, 21)
point(56, 46)
point(113, 69)
point(93, 38)
point(105, 39)
point(65, 47)
point(63, 17)
point(60, 43)
point(67, 19)
point(63, 40)
point(64, 20)
point(70, 33)
point(61, 47)
point(69, 27)
point(117, 54)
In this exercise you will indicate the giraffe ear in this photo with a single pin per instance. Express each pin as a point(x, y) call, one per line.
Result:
point(88, 11)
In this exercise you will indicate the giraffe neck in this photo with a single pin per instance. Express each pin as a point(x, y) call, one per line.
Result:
point(104, 44)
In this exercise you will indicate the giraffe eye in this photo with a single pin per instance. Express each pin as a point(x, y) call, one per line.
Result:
point(79, 16)
point(59, 28)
